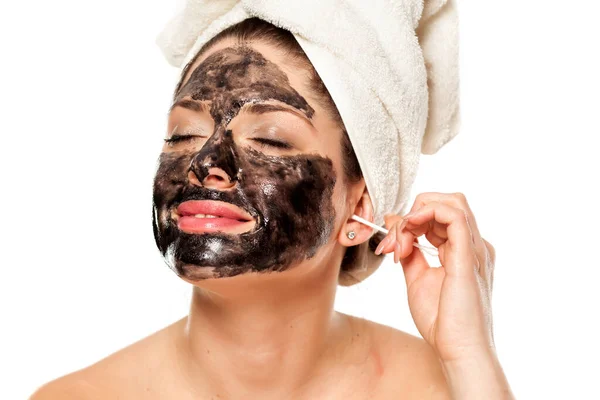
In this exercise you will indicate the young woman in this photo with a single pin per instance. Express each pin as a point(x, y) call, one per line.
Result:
point(253, 197)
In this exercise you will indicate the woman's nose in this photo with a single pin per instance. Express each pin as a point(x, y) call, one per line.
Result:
point(214, 178)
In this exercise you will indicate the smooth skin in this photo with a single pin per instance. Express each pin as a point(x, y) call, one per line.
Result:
point(277, 335)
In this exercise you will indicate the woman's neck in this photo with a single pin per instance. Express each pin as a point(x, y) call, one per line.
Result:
point(258, 334)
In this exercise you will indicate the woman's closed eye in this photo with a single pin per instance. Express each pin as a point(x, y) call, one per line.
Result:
point(272, 143)
point(176, 138)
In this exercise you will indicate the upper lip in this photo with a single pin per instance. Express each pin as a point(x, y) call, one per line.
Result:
point(211, 207)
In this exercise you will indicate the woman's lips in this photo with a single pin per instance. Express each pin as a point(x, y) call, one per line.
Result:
point(202, 225)
point(200, 216)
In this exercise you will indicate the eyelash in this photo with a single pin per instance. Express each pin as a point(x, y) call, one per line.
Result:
point(178, 138)
point(175, 138)
point(272, 143)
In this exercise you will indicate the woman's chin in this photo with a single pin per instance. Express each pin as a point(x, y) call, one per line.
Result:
point(203, 276)
point(194, 273)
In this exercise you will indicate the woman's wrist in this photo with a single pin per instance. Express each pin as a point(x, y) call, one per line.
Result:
point(477, 376)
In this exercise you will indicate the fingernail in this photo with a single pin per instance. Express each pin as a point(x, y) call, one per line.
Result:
point(406, 218)
point(382, 244)
point(397, 250)
point(402, 225)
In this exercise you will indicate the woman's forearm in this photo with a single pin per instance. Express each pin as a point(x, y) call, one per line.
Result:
point(477, 377)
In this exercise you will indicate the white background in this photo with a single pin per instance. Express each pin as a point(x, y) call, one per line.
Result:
point(84, 95)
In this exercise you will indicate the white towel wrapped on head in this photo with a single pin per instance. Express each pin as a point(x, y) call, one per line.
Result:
point(391, 67)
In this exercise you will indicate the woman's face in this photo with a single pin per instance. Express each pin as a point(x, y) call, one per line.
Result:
point(249, 178)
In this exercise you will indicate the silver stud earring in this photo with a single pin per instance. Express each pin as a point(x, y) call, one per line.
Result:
point(351, 235)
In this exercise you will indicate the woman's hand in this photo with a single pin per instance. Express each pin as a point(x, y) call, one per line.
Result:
point(451, 305)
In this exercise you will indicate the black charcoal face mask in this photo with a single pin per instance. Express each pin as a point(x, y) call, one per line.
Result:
point(289, 197)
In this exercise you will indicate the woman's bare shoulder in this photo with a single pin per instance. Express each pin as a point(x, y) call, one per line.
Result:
point(129, 368)
point(408, 365)
point(69, 387)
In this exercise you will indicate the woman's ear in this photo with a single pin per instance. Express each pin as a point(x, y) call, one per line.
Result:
point(362, 233)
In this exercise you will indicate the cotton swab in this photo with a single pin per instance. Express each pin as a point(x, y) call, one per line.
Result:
point(428, 249)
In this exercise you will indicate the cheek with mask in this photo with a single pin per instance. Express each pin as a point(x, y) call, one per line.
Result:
point(288, 197)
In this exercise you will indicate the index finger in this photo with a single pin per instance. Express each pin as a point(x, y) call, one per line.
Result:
point(459, 253)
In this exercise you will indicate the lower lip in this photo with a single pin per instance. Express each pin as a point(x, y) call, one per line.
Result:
point(193, 224)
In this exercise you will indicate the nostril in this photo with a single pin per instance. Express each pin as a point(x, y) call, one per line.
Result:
point(216, 176)
point(193, 178)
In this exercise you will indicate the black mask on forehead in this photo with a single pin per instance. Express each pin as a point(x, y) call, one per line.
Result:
point(290, 197)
